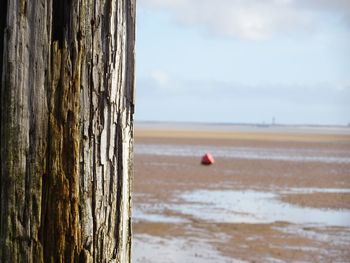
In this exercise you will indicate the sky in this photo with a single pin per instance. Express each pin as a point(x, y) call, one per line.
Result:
point(243, 61)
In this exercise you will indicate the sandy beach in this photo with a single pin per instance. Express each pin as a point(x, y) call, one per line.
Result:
point(273, 195)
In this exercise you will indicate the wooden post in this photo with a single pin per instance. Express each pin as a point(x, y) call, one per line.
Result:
point(67, 103)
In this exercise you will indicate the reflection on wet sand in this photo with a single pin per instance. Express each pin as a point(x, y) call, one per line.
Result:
point(250, 153)
point(242, 207)
point(263, 200)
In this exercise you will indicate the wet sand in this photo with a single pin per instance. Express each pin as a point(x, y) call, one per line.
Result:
point(252, 209)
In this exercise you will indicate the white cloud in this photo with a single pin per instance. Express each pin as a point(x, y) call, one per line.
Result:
point(160, 78)
point(253, 19)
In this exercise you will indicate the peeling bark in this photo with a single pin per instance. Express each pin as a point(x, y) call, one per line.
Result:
point(67, 103)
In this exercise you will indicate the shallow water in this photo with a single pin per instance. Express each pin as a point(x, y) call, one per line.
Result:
point(255, 207)
point(158, 250)
point(191, 210)
point(152, 215)
point(228, 206)
point(241, 207)
point(252, 153)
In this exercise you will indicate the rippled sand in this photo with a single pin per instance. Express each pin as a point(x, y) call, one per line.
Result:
point(241, 209)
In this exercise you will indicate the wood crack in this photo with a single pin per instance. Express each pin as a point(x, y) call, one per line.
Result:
point(64, 130)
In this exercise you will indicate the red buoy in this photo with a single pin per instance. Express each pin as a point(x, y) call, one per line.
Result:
point(207, 159)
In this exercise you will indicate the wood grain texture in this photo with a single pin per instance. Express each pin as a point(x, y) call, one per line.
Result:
point(67, 103)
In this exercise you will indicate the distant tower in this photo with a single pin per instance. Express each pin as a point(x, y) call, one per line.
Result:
point(273, 123)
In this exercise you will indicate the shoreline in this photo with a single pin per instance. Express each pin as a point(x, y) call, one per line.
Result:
point(246, 133)
point(190, 211)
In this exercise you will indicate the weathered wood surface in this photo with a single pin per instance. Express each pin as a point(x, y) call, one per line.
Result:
point(66, 92)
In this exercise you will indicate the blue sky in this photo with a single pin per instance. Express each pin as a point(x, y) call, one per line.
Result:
point(243, 61)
